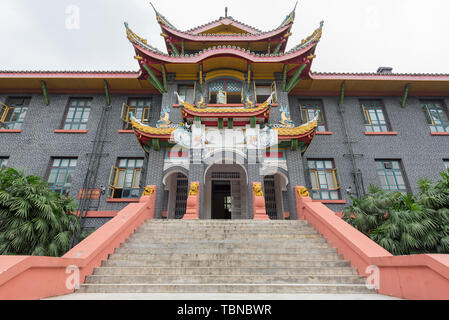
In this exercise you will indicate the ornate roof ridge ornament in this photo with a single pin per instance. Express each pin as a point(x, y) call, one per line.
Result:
point(161, 19)
point(134, 38)
point(290, 18)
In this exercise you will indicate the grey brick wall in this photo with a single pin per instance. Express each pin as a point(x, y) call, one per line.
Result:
point(32, 149)
point(421, 154)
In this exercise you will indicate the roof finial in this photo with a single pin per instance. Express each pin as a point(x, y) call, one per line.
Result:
point(153, 8)
point(226, 12)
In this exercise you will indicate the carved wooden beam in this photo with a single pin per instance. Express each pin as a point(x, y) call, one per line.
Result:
point(294, 81)
point(153, 79)
point(164, 77)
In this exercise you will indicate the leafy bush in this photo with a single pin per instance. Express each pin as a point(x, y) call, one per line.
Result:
point(33, 219)
point(405, 224)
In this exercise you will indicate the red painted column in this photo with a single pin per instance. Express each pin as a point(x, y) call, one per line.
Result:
point(193, 202)
point(259, 212)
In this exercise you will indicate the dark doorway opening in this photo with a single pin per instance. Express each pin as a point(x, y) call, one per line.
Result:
point(221, 200)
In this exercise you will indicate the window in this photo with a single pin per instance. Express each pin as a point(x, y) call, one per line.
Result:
point(60, 174)
point(308, 110)
point(124, 180)
point(436, 116)
point(263, 91)
point(3, 162)
point(13, 113)
point(375, 120)
point(225, 91)
point(77, 114)
point(140, 108)
point(187, 93)
point(323, 177)
point(391, 175)
point(446, 164)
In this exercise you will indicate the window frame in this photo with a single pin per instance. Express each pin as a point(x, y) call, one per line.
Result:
point(367, 118)
point(272, 87)
point(146, 109)
point(2, 162)
point(428, 116)
point(66, 112)
point(48, 173)
point(192, 86)
point(446, 163)
point(401, 170)
point(227, 93)
point(321, 109)
point(114, 174)
point(6, 107)
point(319, 190)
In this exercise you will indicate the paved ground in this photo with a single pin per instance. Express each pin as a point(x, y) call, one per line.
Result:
point(218, 296)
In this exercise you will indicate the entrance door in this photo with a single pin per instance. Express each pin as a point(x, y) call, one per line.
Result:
point(221, 199)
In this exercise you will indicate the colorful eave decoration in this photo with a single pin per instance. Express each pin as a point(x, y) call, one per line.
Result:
point(153, 137)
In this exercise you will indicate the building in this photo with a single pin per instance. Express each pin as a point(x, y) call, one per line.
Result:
point(227, 106)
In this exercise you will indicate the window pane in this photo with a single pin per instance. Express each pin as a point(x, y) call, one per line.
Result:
point(52, 177)
point(64, 163)
point(313, 180)
point(137, 179)
point(122, 163)
point(120, 179)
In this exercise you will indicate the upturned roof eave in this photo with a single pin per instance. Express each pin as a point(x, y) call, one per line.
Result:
point(202, 55)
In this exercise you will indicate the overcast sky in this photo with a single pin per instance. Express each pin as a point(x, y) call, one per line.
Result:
point(358, 36)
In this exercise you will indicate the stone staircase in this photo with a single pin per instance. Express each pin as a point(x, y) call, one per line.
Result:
point(225, 256)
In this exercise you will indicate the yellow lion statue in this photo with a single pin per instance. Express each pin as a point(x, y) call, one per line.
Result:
point(148, 190)
point(193, 189)
point(258, 189)
point(303, 192)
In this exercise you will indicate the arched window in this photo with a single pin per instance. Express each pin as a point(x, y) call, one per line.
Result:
point(224, 91)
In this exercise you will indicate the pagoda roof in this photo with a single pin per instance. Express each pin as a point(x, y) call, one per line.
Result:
point(142, 46)
point(223, 21)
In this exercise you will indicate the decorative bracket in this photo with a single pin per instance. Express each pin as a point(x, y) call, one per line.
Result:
point(106, 92)
point(404, 95)
point(45, 92)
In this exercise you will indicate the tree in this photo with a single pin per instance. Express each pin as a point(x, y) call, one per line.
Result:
point(33, 219)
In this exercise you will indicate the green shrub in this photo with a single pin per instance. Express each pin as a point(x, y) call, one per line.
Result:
point(33, 219)
point(405, 224)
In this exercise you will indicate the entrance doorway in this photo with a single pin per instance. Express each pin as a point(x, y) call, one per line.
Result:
point(225, 191)
point(221, 199)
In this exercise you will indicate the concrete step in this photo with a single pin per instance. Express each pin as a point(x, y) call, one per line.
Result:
point(225, 222)
point(225, 227)
point(224, 271)
point(208, 279)
point(215, 236)
point(223, 256)
point(215, 250)
point(231, 242)
point(234, 245)
point(302, 230)
point(242, 263)
point(225, 288)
